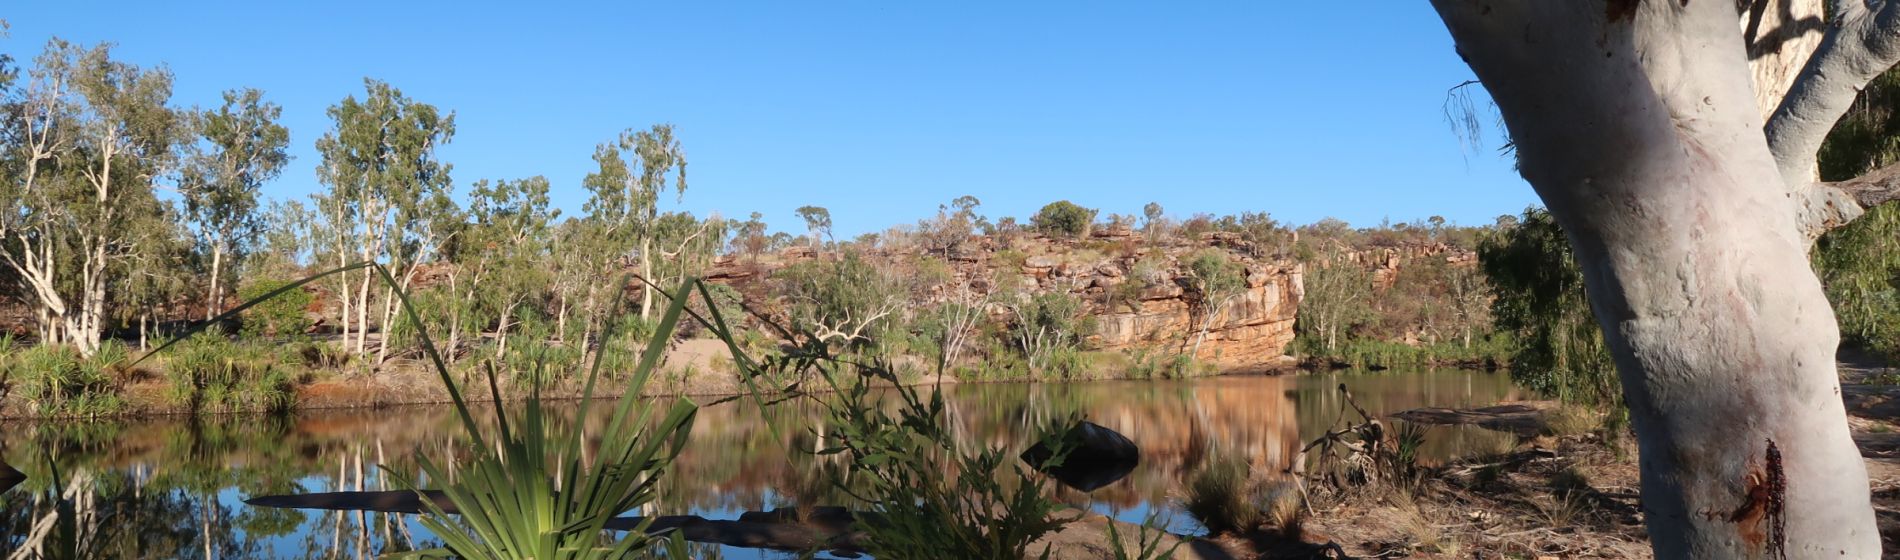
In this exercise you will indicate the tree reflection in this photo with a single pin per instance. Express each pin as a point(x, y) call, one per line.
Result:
point(175, 487)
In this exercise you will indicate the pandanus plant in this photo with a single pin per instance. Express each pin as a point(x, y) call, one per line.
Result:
point(537, 489)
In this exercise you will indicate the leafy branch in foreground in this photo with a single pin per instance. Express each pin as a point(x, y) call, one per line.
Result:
point(533, 492)
point(540, 489)
point(929, 493)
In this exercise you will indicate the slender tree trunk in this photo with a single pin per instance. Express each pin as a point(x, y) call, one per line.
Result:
point(1207, 323)
point(646, 273)
point(343, 280)
point(362, 312)
point(455, 316)
point(560, 321)
point(213, 298)
point(507, 320)
point(1638, 126)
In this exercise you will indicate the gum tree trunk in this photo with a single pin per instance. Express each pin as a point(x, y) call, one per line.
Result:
point(1638, 125)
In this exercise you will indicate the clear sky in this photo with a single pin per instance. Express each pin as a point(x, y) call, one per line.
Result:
point(878, 111)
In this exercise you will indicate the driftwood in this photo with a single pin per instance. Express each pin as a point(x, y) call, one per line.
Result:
point(789, 529)
point(1522, 419)
point(1352, 445)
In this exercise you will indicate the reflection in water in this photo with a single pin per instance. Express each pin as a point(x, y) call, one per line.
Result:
point(174, 487)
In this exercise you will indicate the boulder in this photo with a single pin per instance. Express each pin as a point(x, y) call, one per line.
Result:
point(1097, 457)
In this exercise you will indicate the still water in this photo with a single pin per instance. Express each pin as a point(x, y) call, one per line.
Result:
point(174, 487)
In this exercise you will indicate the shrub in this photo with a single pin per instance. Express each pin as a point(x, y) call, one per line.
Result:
point(1063, 218)
point(729, 302)
point(936, 495)
point(56, 381)
point(210, 373)
point(278, 316)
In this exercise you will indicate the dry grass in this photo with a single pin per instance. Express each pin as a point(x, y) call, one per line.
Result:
point(1217, 496)
point(1279, 504)
point(1418, 527)
point(1569, 420)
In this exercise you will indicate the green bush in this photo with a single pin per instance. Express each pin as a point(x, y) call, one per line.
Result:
point(1490, 352)
point(935, 495)
point(1063, 218)
point(278, 316)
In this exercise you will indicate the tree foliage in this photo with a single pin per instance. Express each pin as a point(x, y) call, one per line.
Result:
point(1540, 299)
point(85, 140)
point(1064, 219)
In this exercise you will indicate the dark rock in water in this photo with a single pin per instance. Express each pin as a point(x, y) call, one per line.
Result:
point(9, 477)
point(1097, 457)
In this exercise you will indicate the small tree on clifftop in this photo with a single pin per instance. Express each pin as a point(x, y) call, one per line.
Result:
point(1063, 218)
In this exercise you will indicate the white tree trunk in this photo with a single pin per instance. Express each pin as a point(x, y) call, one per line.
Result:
point(212, 297)
point(646, 272)
point(1637, 124)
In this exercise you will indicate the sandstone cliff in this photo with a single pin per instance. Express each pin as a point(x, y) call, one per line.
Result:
point(1137, 292)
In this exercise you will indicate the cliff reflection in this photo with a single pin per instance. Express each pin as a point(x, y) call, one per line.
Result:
point(177, 485)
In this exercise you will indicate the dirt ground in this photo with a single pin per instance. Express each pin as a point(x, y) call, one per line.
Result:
point(1553, 497)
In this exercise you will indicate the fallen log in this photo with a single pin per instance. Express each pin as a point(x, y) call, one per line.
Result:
point(1524, 419)
point(788, 529)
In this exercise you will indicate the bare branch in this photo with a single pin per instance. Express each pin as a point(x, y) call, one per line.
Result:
point(1826, 206)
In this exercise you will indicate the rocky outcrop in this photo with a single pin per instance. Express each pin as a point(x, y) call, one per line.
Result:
point(1386, 260)
point(1249, 332)
point(1138, 293)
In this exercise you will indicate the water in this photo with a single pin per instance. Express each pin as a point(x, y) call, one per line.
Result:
point(174, 487)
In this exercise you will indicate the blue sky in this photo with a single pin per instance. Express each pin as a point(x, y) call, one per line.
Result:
point(878, 111)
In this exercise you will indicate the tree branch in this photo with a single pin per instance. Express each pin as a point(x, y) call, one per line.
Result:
point(1825, 206)
point(1861, 43)
point(1878, 187)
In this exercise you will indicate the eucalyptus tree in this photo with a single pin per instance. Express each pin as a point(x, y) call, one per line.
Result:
point(504, 265)
point(848, 301)
point(624, 195)
point(750, 237)
point(86, 139)
point(389, 194)
point(954, 224)
point(1218, 281)
point(290, 234)
point(685, 246)
point(1336, 295)
point(1660, 137)
point(1153, 219)
point(149, 281)
point(818, 222)
point(241, 146)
